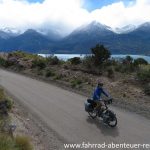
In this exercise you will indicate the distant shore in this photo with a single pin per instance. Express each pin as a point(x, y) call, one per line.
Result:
point(114, 56)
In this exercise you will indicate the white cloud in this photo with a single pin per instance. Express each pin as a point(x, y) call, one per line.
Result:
point(65, 15)
point(117, 14)
point(62, 15)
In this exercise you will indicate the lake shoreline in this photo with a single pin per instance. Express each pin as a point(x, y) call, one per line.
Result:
point(65, 57)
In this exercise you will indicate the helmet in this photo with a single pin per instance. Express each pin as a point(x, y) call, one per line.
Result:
point(100, 83)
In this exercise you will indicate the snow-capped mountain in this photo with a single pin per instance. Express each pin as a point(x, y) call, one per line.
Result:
point(92, 27)
point(125, 29)
point(129, 39)
point(51, 34)
point(144, 27)
point(6, 33)
point(11, 30)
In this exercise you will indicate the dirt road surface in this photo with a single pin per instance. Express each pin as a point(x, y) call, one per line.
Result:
point(63, 111)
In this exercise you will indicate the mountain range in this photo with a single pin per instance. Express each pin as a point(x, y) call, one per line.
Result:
point(127, 40)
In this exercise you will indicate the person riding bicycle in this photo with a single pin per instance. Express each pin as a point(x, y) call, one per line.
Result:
point(100, 106)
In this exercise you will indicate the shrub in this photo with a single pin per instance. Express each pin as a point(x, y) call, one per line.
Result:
point(110, 73)
point(53, 60)
point(9, 103)
point(128, 60)
point(7, 100)
point(125, 68)
point(49, 73)
point(39, 62)
point(88, 62)
point(140, 61)
point(39, 72)
point(7, 143)
point(147, 89)
point(120, 68)
point(109, 63)
point(144, 75)
point(58, 77)
point(23, 143)
point(3, 62)
point(75, 60)
point(18, 53)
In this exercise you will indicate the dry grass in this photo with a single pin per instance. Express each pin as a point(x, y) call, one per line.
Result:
point(23, 143)
point(7, 143)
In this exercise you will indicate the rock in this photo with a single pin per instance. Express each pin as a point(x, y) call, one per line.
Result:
point(13, 60)
point(25, 63)
point(4, 55)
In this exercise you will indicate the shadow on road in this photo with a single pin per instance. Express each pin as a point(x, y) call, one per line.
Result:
point(105, 130)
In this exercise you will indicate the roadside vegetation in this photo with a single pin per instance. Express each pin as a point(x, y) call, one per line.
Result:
point(7, 140)
point(128, 80)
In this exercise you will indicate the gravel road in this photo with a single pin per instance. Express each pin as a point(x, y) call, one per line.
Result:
point(63, 111)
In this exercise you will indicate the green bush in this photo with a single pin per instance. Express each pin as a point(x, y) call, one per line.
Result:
point(18, 53)
point(140, 61)
point(52, 60)
point(128, 60)
point(7, 143)
point(9, 103)
point(19, 143)
point(3, 62)
point(144, 75)
point(125, 68)
point(109, 63)
point(58, 77)
point(49, 73)
point(75, 60)
point(3, 97)
point(120, 68)
point(23, 143)
point(39, 62)
point(88, 62)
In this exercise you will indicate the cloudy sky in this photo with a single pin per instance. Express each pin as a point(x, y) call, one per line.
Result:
point(64, 16)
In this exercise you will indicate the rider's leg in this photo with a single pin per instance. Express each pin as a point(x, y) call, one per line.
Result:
point(103, 107)
point(98, 105)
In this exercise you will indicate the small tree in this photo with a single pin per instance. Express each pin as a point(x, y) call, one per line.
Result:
point(52, 60)
point(140, 61)
point(100, 54)
point(128, 60)
point(75, 60)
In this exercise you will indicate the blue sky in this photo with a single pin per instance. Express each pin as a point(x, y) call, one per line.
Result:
point(95, 4)
point(91, 5)
point(33, 1)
